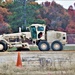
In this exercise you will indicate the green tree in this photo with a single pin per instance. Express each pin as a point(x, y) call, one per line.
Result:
point(22, 12)
point(16, 20)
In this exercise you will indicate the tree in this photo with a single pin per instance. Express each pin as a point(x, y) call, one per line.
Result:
point(47, 3)
point(1, 18)
point(71, 11)
point(71, 27)
point(54, 15)
point(4, 2)
point(31, 1)
point(3, 24)
point(22, 12)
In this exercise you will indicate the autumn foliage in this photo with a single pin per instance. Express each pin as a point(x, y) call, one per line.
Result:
point(71, 11)
point(71, 27)
point(47, 3)
point(4, 26)
point(55, 16)
point(33, 3)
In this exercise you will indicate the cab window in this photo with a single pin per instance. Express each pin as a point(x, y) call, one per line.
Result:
point(40, 28)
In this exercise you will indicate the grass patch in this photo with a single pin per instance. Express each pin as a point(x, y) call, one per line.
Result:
point(32, 48)
point(12, 49)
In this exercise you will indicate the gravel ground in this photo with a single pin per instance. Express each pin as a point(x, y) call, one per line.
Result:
point(38, 63)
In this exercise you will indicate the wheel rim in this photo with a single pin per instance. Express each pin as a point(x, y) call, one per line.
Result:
point(1, 47)
point(56, 46)
point(43, 46)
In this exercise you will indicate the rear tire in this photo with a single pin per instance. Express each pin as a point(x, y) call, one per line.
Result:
point(43, 46)
point(57, 46)
point(3, 46)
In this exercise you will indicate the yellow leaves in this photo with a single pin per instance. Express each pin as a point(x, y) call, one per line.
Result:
point(9, 1)
point(33, 3)
point(6, 2)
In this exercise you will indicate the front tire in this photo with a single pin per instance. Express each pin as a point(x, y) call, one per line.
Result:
point(57, 46)
point(43, 46)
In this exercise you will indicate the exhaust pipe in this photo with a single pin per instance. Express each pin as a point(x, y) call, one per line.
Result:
point(19, 29)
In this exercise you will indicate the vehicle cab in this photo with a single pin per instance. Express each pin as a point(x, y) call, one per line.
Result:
point(38, 31)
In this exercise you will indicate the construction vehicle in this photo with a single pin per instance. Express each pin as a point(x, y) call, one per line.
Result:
point(45, 40)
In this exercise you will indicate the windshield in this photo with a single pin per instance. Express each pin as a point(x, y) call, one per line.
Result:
point(40, 28)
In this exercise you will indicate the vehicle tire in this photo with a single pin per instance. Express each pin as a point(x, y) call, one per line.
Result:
point(3, 46)
point(57, 46)
point(43, 46)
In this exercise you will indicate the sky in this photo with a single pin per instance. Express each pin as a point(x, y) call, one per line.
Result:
point(64, 3)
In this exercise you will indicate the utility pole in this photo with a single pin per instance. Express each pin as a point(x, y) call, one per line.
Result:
point(24, 5)
point(24, 14)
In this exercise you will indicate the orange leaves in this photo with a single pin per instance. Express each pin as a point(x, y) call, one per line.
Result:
point(4, 11)
point(33, 3)
point(9, 1)
point(1, 18)
point(6, 2)
point(4, 25)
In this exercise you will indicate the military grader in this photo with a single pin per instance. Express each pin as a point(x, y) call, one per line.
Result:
point(38, 35)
